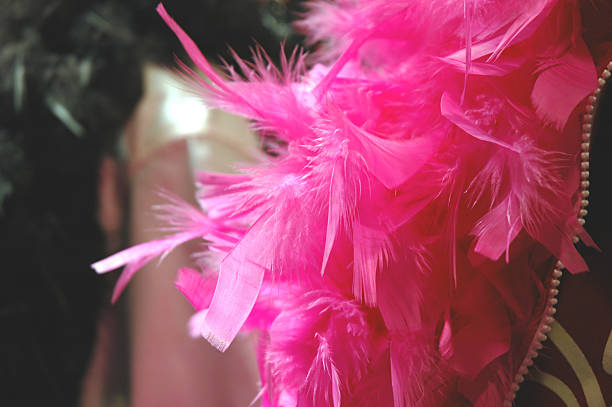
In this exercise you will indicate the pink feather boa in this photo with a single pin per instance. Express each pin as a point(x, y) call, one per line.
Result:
point(395, 254)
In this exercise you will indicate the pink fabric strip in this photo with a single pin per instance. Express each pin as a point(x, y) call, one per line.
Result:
point(240, 279)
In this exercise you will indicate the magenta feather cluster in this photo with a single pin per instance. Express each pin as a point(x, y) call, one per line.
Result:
point(395, 252)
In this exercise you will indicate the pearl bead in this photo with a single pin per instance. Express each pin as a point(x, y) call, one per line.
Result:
point(605, 74)
point(548, 319)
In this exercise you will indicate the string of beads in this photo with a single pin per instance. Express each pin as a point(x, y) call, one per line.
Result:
point(585, 155)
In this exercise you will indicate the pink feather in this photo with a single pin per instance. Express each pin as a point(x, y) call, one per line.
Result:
point(575, 69)
point(185, 221)
point(423, 145)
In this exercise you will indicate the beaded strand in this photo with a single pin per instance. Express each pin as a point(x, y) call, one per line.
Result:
point(585, 147)
point(585, 151)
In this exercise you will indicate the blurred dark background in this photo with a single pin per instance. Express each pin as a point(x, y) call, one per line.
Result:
point(70, 76)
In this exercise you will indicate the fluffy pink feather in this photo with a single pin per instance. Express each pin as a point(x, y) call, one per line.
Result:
point(319, 347)
point(411, 220)
point(185, 221)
